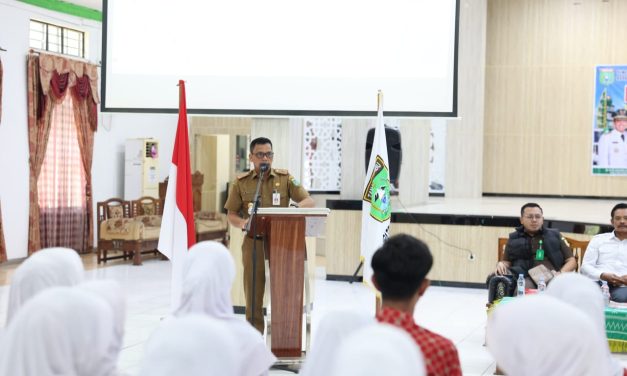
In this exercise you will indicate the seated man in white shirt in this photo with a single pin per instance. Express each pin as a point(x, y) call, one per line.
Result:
point(606, 256)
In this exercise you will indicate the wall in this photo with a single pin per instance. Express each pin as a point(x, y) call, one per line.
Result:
point(464, 135)
point(540, 65)
point(107, 169)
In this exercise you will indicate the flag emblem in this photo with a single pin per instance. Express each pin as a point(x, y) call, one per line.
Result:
point(377, 191)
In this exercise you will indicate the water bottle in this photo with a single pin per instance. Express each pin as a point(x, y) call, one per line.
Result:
point(541, 284)
point(605, 290)
point(521, 285)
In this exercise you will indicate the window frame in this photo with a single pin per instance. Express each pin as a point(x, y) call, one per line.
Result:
point(63, 47)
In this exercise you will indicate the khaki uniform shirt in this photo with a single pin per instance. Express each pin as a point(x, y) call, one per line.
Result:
point(279, 182)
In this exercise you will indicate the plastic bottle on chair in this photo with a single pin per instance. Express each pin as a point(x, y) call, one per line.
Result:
point(605, 290)
point(521, 285)
point(541, 285)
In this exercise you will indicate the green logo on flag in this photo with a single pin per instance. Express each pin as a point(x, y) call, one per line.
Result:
point(606, 76)
point(377, 191)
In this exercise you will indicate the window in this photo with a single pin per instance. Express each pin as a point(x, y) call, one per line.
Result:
point(59, 39)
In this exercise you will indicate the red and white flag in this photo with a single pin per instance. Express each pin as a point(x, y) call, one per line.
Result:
point(177, 225)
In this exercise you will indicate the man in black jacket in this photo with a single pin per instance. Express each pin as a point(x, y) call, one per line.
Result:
point(533, 244)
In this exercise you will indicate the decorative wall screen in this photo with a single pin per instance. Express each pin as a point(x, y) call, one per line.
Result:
point(322, 145)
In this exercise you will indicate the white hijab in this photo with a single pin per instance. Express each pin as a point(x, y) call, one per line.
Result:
point(330, 334)
point(379, 349)
point(208, 276)
point(45, 268)
point(540, 335)
point(62, 331)
point(113, 294)
point(584, 294)
point(194, 345)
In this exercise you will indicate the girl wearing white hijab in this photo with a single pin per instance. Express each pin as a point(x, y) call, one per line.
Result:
point(330, 334)
point(379, 349)
point(542, 336)
point(111, 292)
point(61, 331)
point(584, 294)
point(194, 345)
point(46, 268)
point(208, 275)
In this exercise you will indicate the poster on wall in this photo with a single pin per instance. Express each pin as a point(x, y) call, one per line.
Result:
point(609, 136)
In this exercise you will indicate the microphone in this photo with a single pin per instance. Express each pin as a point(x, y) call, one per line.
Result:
point(263, 167)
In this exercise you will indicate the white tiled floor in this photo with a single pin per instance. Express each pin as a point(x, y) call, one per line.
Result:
point(456, 313)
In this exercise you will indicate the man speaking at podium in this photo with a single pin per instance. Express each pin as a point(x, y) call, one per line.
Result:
point(277, 188)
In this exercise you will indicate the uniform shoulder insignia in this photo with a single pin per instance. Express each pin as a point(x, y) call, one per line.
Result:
point(243, 175)
point(281, 171)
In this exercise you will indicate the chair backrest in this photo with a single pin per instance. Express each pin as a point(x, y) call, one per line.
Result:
point(112, 208)
point(146, 206)
point(197, 181)
point(578, 247)
point(501, 250)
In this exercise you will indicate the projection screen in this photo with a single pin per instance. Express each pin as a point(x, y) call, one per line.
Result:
point(280, 57)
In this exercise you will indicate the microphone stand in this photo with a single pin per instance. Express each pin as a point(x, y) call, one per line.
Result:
point(252, 222)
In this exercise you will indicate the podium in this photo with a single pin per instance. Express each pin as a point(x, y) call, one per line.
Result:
point(285, 230)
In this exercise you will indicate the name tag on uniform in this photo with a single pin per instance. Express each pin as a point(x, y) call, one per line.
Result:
point(276, 198)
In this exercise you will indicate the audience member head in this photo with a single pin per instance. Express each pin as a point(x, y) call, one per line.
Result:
point(113, 294)
point(330, 334)
point(376, 350)
point(192, 345)
point(43, 269)
point(208, 275)
point(540, 335)
point(531, 217)
point(582, 293)
point(61, 331)
point(400, 267)
point(619, 220)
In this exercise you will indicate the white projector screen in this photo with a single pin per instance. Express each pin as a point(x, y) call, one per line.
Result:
point(281, 57)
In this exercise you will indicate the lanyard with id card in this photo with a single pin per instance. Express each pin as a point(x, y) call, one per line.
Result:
point(276, 196)
point(540, 252)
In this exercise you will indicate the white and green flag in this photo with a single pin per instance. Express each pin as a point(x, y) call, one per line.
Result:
point(376, 208)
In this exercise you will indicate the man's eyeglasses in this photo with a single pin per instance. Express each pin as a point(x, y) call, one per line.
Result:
point(261, 154)
point(532, 217)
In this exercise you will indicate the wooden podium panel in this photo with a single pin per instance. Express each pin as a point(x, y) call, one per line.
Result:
point(285, 230)
point(286, 255)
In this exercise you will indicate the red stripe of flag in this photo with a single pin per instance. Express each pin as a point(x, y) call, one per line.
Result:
point(180, 158)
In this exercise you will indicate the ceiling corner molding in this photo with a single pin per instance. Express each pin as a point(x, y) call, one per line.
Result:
point(67, 8)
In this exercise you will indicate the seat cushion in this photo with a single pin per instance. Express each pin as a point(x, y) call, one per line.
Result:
point(207, 225)
point(121, 229)
point(149, 220)
point(115, 211)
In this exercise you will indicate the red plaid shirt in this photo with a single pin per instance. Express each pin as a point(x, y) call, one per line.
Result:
point(440, 353)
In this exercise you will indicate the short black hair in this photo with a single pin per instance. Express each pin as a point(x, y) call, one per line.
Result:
point(400, 265)
point(621, 205)
point(530, 205)
point(259, 141)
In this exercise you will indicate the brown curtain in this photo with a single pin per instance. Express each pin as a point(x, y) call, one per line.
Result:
point(49, 78)
point(86, 114)
point(38, 132)
point(3, 248)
